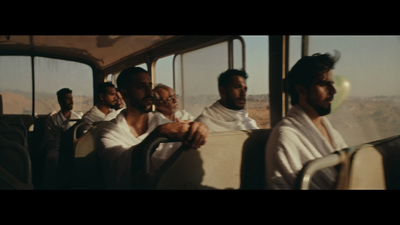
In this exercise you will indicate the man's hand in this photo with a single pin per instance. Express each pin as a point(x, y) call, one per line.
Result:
point(197, 135)
point(193, 134)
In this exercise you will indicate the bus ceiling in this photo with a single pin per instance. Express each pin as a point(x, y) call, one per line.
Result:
point(104, 52)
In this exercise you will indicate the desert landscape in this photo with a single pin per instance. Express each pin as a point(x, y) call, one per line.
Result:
point(358, 119)
point(18, 102)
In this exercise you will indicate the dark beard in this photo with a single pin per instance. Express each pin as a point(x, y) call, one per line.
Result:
point(322, 111)
point(231, 105)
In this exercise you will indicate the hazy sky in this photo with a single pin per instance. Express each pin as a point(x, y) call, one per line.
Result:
point(370, 63)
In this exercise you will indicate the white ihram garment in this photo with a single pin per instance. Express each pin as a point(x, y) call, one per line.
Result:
point(116, 144)
point(219, 118)
point(181, 114)
point(95, 115)
point(293, 142)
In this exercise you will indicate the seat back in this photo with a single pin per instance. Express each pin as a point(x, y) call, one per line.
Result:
point(87, 173)
point(37, 151)
point(227, 161)
point(15, 166)
point(373, 165)
point(367, 171)
point(9, 132)
point(1, 105)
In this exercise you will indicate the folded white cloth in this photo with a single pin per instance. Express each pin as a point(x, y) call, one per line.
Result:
point(95, 115)
point(180, 114)
point(293, 142)
point(219, 118)
point(116, 144)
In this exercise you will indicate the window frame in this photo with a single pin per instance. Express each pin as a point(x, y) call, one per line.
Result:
point(95, 70)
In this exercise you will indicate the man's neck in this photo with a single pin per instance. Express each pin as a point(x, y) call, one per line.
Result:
point(67, 113)
point(317, 121)
point(170, 116)
point(103, 108)
point(137, 121)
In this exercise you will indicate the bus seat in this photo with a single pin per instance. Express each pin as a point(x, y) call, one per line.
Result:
point(390, 151)
point(253, 160)
point(366, 170)
point(224, 162)
point(11, 133)
point(36, 149)
point(361, 167)
point(87, 172)
point(1, 105)
point(15, 166)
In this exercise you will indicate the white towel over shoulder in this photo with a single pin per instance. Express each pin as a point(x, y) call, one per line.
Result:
point(293, 142)
point(219, 118)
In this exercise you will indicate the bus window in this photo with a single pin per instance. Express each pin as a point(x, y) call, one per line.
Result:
point(164, 71)
point(16, 84)
point(200, 70)
point(237, 54)
point(294, 50)
point(53, 74)
point(367, 80)
point(257, 61)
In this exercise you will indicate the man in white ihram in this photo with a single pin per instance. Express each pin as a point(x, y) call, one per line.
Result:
point(228, 113)
point(119, 139)
point(305, 134)
point(104, 110)
point(167, 106)
point(57, 123)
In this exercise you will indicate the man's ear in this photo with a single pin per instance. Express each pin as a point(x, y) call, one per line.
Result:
point(301, 90)
point(124, 94)
point(101, 97)
point(222, 92)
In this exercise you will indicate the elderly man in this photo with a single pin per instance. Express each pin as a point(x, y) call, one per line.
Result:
point(166, 104)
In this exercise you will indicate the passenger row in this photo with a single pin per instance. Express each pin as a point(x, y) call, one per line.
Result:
point(15, 163)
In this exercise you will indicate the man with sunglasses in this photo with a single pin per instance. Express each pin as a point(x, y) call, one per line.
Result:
point(167, 106)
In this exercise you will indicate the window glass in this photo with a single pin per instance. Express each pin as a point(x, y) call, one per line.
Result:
point(164, 71)
point(366, 106)
point(257, 67)
point(294, 50)
point(53, 74)
point(200, 70)
point(16, 84)
point(237, 54)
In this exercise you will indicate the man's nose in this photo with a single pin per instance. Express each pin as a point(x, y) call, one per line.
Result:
point(332, 89)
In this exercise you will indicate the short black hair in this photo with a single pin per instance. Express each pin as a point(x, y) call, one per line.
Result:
point(124, 78)
point(102, 88)
point(307, 69)
point(62, 92)
point(225, 77)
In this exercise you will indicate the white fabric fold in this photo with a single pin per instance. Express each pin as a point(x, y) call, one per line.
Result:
point(95, 115)
point(116, 144)
point(219, 118)
point(293, 142)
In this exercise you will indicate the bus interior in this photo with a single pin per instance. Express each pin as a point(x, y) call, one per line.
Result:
point(366, 109)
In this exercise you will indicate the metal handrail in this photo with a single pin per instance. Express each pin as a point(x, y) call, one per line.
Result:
point(310, 168)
